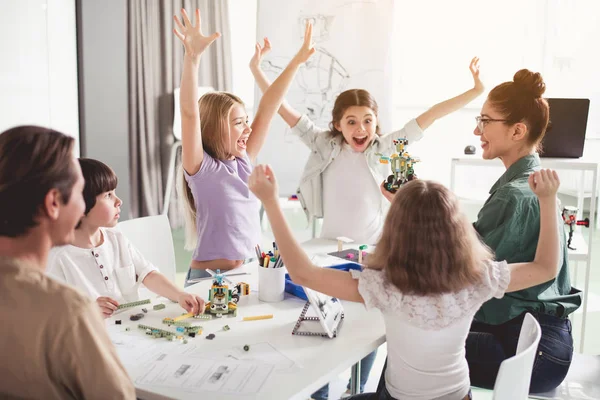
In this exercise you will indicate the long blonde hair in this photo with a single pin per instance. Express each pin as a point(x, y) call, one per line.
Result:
point(215, 108)
point(428, 246)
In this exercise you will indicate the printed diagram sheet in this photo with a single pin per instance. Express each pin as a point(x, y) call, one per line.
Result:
point(264, 353)
point(205, 375)
point(131, 350)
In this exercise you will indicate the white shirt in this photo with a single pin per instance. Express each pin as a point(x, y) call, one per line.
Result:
point(353, 205)
point(426, 335)
point(324, 149)
point(114, 269)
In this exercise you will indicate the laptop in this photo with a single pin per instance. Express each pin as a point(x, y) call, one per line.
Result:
point(565, 135)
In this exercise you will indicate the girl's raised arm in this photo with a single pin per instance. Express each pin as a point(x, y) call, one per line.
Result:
point(545, 265)
point(195, 44)
point(456, 103)
point(273, 97)
point(289, 114)
point(331, 282)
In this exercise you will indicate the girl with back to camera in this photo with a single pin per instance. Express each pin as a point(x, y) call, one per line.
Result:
point(218, 149)
point(428, 275)
point(342, 177)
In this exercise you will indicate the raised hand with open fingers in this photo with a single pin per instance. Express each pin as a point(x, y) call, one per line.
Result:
point(263, 184)
point(259, 53)
point(544, 183)
point(191, 35)
point(474, 68)
point(308, 47)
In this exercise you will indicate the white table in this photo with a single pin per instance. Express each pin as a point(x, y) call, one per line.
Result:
point(583, 253)
point(318, 360)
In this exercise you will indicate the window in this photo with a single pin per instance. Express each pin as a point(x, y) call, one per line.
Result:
point(436, 40)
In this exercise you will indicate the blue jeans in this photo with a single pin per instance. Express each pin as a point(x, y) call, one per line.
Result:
point(365, 368)
point(488, 345)
point(195, 274)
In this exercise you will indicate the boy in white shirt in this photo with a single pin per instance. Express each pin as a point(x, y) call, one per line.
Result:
point(101, 262)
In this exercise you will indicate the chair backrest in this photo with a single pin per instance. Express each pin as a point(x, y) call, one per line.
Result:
point(152, 237)
point(177, 115)
point(514, 376)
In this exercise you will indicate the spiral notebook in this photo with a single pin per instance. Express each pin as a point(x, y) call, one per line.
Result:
point(329, 313)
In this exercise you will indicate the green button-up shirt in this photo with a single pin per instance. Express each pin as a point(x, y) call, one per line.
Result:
point(509, 223)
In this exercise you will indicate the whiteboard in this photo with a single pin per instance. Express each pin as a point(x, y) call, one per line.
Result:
point(352, 41)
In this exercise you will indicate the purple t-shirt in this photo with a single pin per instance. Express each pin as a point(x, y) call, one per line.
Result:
point(227, 212)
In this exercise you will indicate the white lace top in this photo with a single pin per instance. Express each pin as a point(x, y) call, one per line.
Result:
point(426, 334)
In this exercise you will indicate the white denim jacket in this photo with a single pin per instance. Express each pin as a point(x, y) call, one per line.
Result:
point(325, 147)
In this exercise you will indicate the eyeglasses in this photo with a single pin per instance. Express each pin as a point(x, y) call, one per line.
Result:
point(482, 122)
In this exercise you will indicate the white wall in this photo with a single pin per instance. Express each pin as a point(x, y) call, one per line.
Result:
point(38, 72)
point(242, 15)
point(432, 51)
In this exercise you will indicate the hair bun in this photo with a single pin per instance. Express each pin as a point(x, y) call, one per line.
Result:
point(530, 82)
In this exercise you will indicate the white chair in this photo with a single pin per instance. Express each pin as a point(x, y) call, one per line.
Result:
point(514, 376)
point(177, 144)
point(152, 237)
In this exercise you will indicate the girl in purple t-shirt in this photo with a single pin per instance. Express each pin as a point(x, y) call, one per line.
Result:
point(218, 149)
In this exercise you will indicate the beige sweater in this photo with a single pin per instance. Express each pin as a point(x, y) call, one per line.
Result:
point(53, 342)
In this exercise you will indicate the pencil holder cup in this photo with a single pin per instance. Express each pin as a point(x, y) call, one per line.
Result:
point(271, 284)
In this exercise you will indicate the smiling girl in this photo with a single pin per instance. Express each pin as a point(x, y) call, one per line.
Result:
point(341, 180)
point(219, 147)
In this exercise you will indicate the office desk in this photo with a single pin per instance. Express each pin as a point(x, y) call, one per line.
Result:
point(318, 360)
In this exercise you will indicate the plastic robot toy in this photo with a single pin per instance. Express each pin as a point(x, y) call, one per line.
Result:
point(401, 164)
point(569, 215)
point(221, 299)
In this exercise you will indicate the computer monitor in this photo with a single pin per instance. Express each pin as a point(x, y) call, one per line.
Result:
point(565, 135)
